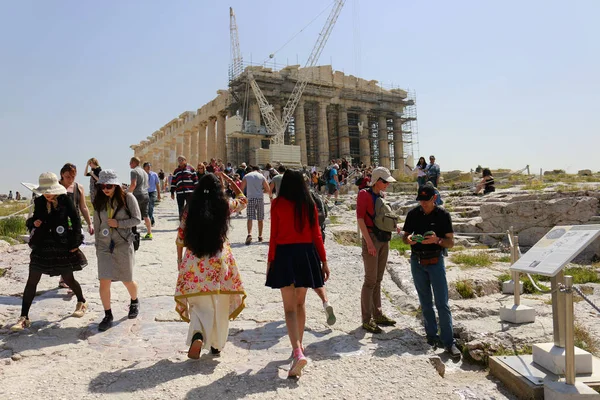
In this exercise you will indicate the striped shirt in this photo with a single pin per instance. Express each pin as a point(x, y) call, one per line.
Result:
point(184, 180)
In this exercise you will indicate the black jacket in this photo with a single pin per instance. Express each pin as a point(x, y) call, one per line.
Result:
point(62, 224)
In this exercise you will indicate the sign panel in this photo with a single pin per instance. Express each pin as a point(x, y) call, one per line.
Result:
point(559, 246)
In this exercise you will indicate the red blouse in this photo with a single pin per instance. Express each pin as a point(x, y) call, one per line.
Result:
point(283, 231)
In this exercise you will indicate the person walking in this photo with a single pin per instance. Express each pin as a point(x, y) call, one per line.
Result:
point(297, 259)
point(209, 289)
point(55, 237)
point(421, 170)
point(183, 183)
point(153, 191)
point(92, 169)
point(276, 181)
point(255, 184)
point(332, 179)
point(76, 193)
point(433, 171)
point(374, 252)
point(116, 213)
point(139, 188)
point(428, 269)
point(161, 177)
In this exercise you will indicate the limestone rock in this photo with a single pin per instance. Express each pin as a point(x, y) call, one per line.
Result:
point(584, 172)
point(531, 219)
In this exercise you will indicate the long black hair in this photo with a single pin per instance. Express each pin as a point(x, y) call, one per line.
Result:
point(421, 164)
point(101, 200)
point(207, 220)
point(294, 189)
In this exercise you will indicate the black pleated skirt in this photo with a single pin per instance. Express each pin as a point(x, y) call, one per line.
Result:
point(295, 264)
point(54, 259)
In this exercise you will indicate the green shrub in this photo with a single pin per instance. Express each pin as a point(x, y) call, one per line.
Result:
point(528, 287)
point(465, 288)
point(503, 259)
point(585, 341)
point(13, 227)
point(472, 259)
point(397, 244)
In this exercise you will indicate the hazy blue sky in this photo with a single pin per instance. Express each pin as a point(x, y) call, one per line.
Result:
point(499, 83)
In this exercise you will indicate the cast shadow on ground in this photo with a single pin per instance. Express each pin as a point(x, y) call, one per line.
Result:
point(259, 338)
point(41, 335)
point(239, 386)
point(129, 380)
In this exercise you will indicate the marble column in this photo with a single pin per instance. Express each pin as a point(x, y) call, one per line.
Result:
point(179, 145)
point(173, 152)
point(398, 146)
point(344, 141)
point(166, 152)
point(323, 136)
point(254, 144)
point(384, 151)
point(193, 157)
point(365, 147)
point(300, 127)
point(187, 137)
point(221, 137)
point(202, 142)
point(211, 143)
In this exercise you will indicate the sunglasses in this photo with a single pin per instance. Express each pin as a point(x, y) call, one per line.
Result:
point(106, 186)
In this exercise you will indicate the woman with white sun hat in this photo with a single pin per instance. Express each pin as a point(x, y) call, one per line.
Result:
point(55, 239)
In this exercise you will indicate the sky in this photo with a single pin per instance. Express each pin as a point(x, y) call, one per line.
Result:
point(499, 84)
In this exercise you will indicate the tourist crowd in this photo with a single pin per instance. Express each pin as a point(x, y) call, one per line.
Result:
point(210, 287)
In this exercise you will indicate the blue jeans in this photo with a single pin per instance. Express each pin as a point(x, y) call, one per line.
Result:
point(427, 277)
point(152, 196)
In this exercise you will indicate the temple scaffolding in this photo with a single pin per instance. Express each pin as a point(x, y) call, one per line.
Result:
point(338, 116)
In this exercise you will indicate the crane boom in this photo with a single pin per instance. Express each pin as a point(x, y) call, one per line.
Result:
point(274, 125)
point(237, 64)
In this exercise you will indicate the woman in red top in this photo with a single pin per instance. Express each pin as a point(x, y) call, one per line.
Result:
point(297, 259)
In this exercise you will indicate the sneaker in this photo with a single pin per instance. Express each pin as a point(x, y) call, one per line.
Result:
point(371, 327)
point(296, 368)
point(106, 323)
point(330, 315)
point(434, 342)
point(453, 351)
point(134, 310)
point(148, 236)
point(384, 321)
point(215, 352)
point(21, 324)
point(196, 346)
point(80, 309)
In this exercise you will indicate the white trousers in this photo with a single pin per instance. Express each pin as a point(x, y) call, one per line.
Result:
point(209, 315)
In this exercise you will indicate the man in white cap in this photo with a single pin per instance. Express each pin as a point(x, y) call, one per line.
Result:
point(374, 252)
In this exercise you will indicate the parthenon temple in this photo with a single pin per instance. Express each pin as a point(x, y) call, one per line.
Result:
point(338, 116)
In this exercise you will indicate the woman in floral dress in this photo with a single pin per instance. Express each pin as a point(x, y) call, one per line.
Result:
point(209, 288)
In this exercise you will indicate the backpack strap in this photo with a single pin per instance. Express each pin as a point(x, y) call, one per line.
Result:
point(374, 196)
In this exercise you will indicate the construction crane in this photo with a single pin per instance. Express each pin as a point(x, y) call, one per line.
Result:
point(276, 128)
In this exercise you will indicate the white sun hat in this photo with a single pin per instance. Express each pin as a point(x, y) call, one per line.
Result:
point(108, 177)
point(48, 184)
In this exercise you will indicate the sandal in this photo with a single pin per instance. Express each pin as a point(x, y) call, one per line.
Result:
point(260, 238)
point(62, 284)
point(196, 346)
point(248, 239)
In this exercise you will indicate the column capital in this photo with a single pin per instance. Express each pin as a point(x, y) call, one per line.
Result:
point(212, 118)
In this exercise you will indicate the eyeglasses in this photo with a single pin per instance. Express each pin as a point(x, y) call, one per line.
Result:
point(106, 186)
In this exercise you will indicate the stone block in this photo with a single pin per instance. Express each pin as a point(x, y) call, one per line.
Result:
point(552, 358)
point(508, 287)
point(517, 314)
point(562, 391)
point(584, 172)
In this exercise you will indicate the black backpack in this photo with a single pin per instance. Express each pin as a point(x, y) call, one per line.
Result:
point(327, 174)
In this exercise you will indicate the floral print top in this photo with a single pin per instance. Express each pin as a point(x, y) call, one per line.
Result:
point(206, 275)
